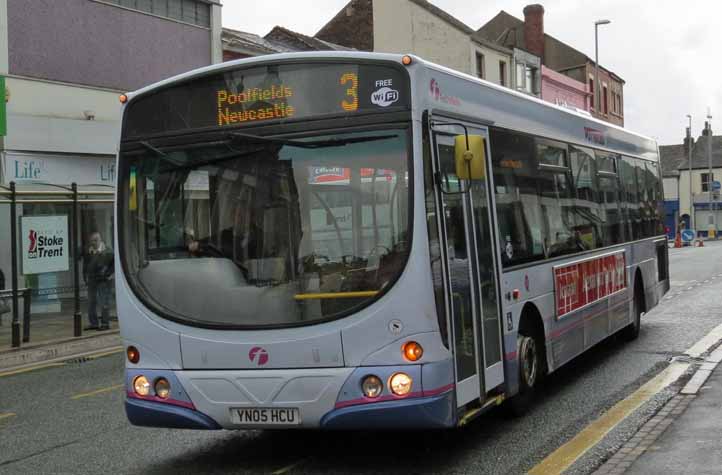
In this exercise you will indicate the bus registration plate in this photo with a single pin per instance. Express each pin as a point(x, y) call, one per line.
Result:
point(266, 416)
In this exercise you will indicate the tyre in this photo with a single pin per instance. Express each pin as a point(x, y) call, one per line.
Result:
point(530, 357)
point(631, 331)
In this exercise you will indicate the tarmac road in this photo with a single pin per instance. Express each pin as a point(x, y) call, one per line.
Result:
point(70, 418)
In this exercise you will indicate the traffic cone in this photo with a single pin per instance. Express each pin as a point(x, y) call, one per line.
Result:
point(678, 241)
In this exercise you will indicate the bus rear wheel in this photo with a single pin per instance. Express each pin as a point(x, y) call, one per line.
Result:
point(531, 364)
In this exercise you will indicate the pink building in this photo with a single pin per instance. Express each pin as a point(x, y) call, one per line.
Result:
point(563, 90)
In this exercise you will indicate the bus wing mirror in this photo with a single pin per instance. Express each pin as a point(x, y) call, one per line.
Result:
point(470, 155)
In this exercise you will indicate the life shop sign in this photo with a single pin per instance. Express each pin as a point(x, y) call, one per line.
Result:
point(44, 244)
point(582, 283)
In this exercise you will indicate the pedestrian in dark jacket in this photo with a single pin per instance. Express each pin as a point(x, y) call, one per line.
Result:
point(98, 273)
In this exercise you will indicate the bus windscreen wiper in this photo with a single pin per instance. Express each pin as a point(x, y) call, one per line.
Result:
point(316, 144)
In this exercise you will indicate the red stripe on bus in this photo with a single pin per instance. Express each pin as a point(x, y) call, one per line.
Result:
point(437, 391)
point(391, 397)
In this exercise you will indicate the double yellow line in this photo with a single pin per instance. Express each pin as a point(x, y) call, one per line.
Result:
point(563, 458)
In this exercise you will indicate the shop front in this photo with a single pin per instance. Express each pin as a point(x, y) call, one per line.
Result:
point(59, 226)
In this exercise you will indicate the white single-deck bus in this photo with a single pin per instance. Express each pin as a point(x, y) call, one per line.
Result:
point(356, 240)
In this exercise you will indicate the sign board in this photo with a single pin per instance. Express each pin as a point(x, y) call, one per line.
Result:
point(716, 186)
point(3, 108)
point(688, 235)
point(585, 282)
point(59, 169)
point(45, 245)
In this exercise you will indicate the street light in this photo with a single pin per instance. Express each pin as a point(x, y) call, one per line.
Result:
point(596, 63)
point(689, 160)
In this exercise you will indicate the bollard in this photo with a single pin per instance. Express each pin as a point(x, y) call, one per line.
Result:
point(26, 315)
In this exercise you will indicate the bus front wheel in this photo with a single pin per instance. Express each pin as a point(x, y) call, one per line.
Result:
point(531, 364)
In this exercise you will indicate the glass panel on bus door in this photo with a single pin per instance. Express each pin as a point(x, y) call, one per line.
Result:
point(486, 271)
point(467, 223)
point(459, 275)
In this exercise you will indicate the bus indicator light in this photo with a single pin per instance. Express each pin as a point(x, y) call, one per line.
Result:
point(406, 60)
point(412, 351)
point(133, 354)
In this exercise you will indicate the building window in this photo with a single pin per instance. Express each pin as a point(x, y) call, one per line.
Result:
point(502, 73)
point(194, 12)
point(529, 80)
point(479, 65)
point(591, 89)
point(526, 77)
point(705, 178)
point(605, 100)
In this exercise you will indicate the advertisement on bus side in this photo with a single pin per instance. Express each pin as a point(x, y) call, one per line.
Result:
point(582, 283)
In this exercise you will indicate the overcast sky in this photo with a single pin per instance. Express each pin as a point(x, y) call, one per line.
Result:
point(665, 50)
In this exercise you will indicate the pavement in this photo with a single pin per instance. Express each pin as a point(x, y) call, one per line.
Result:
point(692, 443)
point(683, 437)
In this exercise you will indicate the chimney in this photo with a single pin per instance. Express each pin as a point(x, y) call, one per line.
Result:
point(534, 29)
point(707, 129)
point(688, 142)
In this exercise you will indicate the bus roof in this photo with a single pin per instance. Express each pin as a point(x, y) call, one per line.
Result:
point(497, 90)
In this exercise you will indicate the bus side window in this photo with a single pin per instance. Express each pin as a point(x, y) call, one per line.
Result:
point(632, 200)
point(518, 203)
point(588, 214)
point(610, 199)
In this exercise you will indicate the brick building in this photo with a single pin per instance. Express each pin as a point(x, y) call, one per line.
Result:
point(419, 27)
point(529, 35)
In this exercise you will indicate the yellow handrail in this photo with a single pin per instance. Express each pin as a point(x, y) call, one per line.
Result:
point(336, 295)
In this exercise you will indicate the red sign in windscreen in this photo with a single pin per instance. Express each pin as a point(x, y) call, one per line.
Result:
point(583, 283)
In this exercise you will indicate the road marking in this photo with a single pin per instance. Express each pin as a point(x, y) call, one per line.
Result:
point(95, 356)
point(6, 415)
point(705, 343)
point(288, 468)
point(562, 458)
point(98, 391)
point(55, 362)
point(32, 368)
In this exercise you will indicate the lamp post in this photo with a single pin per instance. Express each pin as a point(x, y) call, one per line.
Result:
point(712, 234)
point(597, 103)
point(689, 162)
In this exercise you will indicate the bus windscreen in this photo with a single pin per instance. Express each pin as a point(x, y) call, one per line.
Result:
point(270, 93)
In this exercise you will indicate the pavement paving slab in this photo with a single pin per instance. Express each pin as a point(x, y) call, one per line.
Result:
point(692, 444)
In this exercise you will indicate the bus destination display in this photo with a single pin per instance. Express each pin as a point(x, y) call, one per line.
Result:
point(270, 93)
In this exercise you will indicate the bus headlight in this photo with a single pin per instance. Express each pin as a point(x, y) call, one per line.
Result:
point(372, 386)
point(162, 388)
point(400, 384)
point(141, 386)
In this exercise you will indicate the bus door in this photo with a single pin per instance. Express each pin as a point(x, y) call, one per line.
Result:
point(470, 275)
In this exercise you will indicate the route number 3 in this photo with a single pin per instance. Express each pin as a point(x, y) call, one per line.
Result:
point(350, 103)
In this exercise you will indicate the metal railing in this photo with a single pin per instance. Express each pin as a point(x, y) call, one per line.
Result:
point(15, 322)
